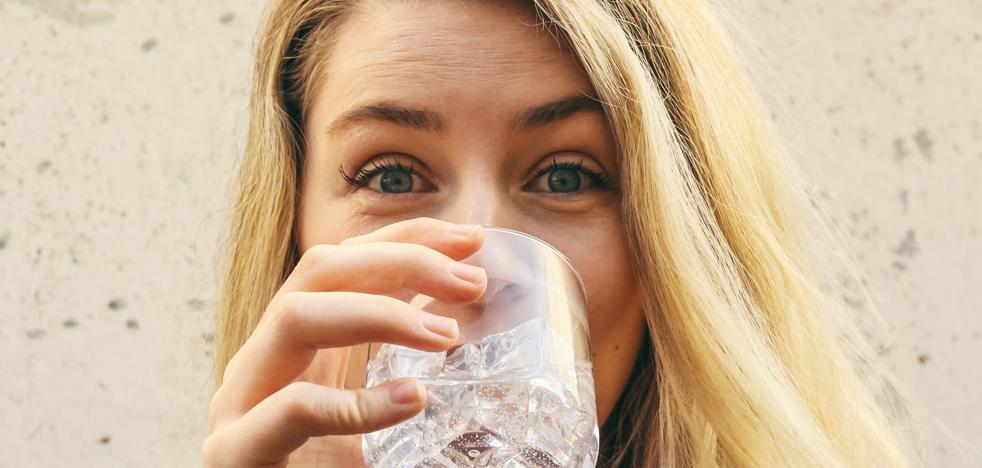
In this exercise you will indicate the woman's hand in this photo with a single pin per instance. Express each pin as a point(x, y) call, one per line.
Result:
point(268, 406)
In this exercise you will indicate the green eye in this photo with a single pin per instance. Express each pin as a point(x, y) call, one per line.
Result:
point(390, 176)
point(566, 177)
point(564, 180)
point(396, 180)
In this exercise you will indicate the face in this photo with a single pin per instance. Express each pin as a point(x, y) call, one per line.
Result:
point(467, 112)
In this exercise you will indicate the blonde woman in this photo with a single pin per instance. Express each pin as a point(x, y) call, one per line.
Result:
point(383, 133)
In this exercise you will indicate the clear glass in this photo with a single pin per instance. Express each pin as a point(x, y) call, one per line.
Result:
point(517, 388)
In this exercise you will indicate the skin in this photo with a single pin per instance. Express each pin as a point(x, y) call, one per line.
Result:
point(475, 66)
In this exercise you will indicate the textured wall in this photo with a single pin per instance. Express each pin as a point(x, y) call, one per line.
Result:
point(119, 125)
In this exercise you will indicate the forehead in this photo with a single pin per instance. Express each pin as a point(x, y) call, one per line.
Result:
point(472, 56)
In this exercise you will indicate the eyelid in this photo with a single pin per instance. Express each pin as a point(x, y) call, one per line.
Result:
point(600, 177)
point(396, 159)
point(569, 157)
point(364, 173)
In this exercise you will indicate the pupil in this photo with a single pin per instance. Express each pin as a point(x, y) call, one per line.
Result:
point(396, 181)
point(564, 180)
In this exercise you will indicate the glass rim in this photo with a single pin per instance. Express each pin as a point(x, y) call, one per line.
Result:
point(556, 251)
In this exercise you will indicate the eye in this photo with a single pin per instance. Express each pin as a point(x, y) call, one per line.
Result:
point(396, 180)
point(564, 180)
point(567, 177)
point(388, 176)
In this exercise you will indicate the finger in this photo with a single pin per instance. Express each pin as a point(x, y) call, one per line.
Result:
point(385, 268)
point(280, 424)
point(303, 322)
point(457, 241)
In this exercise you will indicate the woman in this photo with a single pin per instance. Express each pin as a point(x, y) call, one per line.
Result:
point(622, 132)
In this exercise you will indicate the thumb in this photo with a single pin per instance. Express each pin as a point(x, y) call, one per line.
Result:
point(281, 423)
point(368, 409)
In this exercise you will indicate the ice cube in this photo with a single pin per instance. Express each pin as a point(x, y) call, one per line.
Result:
point(555, 423)
point(393, 445)
point(535, 458)
point(515, 352)
point(503, 407)
point(461, 361)
point(448, 408)
point(475, 445)
point(393, 361)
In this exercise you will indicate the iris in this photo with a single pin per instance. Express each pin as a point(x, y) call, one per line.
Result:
point(396, 180)
point(564, 180)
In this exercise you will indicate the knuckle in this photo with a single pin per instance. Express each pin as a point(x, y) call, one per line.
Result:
point(322, 413)
point(384, 306)
point(214, 408)
point(300, 404)
point(323, 410)
point(315, 255)
point(361, 405)
point(433, 263)
point(293, 396)
point(232, 367)
point(396, 314)
point(352, 415)
point(419, 264)
point(210, 452)
point(422, 254)
point(289, 311)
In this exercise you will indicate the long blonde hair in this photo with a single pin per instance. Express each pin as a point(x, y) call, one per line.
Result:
point(749, 361)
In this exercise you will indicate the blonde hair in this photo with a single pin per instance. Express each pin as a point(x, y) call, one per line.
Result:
point(749, 362)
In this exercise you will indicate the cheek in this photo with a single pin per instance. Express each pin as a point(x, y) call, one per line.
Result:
point(324, 215)
point(617, 326)
point(611, 293)
point(602, 258)
point(326, 220)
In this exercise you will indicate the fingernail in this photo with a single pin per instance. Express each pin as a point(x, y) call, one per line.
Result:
point(406, 392)
point(469, 273)
point(443, 326)
point(465, 230)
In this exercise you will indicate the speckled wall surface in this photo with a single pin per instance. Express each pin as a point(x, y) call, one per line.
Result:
point(119, 125)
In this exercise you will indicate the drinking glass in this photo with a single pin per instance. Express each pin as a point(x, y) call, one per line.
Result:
point(516, 390)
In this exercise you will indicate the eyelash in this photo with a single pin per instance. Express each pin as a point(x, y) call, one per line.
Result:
point(361, 177)
point(600, 179)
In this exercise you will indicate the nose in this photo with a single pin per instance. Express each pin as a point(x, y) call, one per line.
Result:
point(479, 200)
point(486, 204)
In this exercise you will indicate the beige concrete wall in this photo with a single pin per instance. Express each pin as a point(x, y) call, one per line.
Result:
point(120, 121)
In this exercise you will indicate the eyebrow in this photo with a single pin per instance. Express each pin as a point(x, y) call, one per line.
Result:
point(429, 120)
